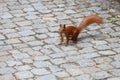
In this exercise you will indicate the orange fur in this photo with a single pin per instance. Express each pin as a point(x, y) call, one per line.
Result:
point(73, 32)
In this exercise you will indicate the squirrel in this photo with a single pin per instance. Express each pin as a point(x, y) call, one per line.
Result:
point(72, 32)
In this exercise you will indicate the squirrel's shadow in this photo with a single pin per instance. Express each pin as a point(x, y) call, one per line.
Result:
point(82, 38)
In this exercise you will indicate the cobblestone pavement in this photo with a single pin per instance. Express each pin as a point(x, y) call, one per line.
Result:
point(29, 40)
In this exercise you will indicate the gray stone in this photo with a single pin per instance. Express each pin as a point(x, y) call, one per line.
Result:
point(90, 55)
point(107, 52)
point(24, 23)
point(84, 77)
point(13, 63)
point(7, 77)
point(74, 71)
point(100, 75)
point(105, 66)
point(26, 33)
point(61, 74)
point(41, 58)
point(2, 37)
point(12, 41)
point(27, 61)
point(7, 70)
point(116, 64)
point(101, 42)
point(55, 69)
point(58, 61)
point(47, 77)
point(86, 62)
point(27, 38)
point(23, 75)
point(6, 47)
point(114, 78)
point(117, 57)
point(115, 72)
point(42, 36)
point(23, 68)
point(70, 11)
point(87, 50)
point(2, 64)
point(102, 47)
point(6, 15)
point(35, 43)
point(43, 30)
point(40, 71)
point(41, 64)
point(57, 55)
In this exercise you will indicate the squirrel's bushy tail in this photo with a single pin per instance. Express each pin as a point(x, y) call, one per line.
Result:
point(90, 20)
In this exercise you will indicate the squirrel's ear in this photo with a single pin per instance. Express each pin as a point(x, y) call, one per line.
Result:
point(60, 25)
point(64, 26)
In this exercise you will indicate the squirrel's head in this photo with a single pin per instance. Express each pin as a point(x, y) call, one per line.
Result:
point(62, 28)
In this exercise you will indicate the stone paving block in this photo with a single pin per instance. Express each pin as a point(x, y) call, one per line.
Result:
point(47, 77)
point(117, 50)
point(6, 15)
point(42, 71)
point(12, 41)
point(105, 66)
point(117, 57)
point(89, 55)
point(41, 64)
point(26, 33)
point(24, 23)
point(35, 43)
point(83, 77)
point(103, 60)
point(57, 55)
point(13, 35)
point(87, 50)
point(23, 68)
point(61, 74)
point(6, 47)
point(100, 42)
point(27, 61)
point(7, 77)
point(86, 62)
point(115, 72)
point(43, 30)
point(74, 71)
point(2, 64)
point(55, 69)
point(13, 63)
point(30, 17)
point(116, 64)
point(18, 46)
point(58, 61)
point(107, 52)
point(89, 70)
point(7, 70)
point(27, 74)
point(41, 36)
point(100, 75)
point(2, 37)
point(27, 38)
point(114, 78)
point(102, 47)
point(41, 58)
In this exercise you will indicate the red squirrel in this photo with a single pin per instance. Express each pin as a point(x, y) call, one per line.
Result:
point(71, 32)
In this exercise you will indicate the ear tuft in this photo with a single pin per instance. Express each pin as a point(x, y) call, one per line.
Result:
point(64, 25)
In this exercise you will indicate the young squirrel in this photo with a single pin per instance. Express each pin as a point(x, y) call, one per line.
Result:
point(71, 32)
